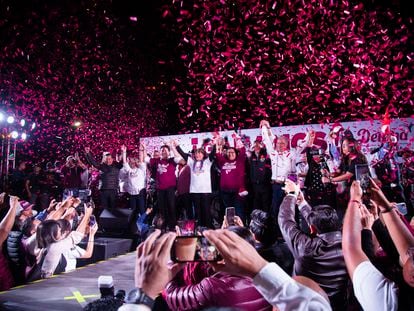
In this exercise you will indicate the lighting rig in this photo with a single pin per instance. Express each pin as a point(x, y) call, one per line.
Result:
point(12, 132)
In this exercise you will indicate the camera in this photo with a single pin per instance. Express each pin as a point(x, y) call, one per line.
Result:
point(106, 287)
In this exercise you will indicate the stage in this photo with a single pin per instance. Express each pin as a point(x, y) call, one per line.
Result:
point(72, 290)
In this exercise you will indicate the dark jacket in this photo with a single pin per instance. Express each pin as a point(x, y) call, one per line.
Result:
point(217, 290)
point(109, 173)
point(260, 168)
point(319, 258)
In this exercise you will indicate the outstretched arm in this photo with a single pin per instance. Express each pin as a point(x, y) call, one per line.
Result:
point(7, 223)
point(351, 236)
point(90, 159)
point(401, 236)
point(276, 286)
point(267, 135)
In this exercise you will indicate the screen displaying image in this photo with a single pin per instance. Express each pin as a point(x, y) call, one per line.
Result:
point(193, 248)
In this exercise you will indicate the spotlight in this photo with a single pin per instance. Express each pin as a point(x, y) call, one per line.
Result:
point(33, 125)
point(10, 119)
point(14, 134)
point(77, 123)
point(24, 136)
point(22, 122)
point(1, 116)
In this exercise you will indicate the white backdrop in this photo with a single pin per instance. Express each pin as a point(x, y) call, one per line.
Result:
point(367, 132)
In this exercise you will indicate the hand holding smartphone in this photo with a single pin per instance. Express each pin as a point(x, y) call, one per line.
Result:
point(362, 174)
point(230, 215)
point(402, 208)
point(92, 220)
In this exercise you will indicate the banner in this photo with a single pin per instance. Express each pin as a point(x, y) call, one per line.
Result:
point(368, 133)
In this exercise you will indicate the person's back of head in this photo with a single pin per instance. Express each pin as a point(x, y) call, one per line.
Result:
point(263, 227)
point(104, 304)
point(324, 218)
point(48, 232)
point(243, 232)
point(158, 221)
point(65, 226)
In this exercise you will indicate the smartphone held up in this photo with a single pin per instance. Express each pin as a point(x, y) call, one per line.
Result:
point(230, 216)
point(363, 175)
point(194, 248)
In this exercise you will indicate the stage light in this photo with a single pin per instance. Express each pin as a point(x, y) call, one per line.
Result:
point(22, 122)
point(10, 119)
point(1, 116)
point(24, 136)
point(77, 123)
point(33, 125)
point(14, 134)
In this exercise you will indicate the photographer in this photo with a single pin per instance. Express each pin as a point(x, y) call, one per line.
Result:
point(72, 171)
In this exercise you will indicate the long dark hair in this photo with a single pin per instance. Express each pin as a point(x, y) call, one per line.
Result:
point(354, 152)
point(47, 233)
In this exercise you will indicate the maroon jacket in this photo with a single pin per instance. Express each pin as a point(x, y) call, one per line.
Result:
point(217, 290)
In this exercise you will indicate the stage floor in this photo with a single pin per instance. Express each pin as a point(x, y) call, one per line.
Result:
point(72, 290)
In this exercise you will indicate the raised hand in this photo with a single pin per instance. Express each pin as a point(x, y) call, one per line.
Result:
point(239, 257)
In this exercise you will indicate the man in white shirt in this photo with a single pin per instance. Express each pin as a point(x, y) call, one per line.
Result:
point(283, 162)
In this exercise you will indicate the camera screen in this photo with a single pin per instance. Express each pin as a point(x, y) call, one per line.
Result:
point(193, 248)
point(362, 174)
point(230, 214)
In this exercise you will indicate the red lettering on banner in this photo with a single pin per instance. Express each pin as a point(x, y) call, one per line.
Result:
point(364, 135)
point(296, 137)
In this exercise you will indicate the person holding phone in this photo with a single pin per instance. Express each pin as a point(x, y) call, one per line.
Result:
point(77, 252)
point(351, 155)
point(213, 289)
point(72, 171)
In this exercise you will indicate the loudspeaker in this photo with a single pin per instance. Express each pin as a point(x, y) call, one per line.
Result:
point(114, 220)
point(105, 248)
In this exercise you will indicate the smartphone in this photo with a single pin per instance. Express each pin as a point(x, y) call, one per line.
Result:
point(402, 208)
point(230, 215)
point(362, 174)
point(193, 248)
point(92, 220)
point(293, 177)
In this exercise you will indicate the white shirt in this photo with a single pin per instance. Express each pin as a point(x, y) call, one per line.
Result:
point(373, 290)
point(200, 180)
point(55, 250)
point(283, 292)
point(136, 178)
point(71, 256)
point(283, 163)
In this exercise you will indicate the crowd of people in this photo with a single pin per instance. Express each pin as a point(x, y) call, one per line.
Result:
point(314, 228)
